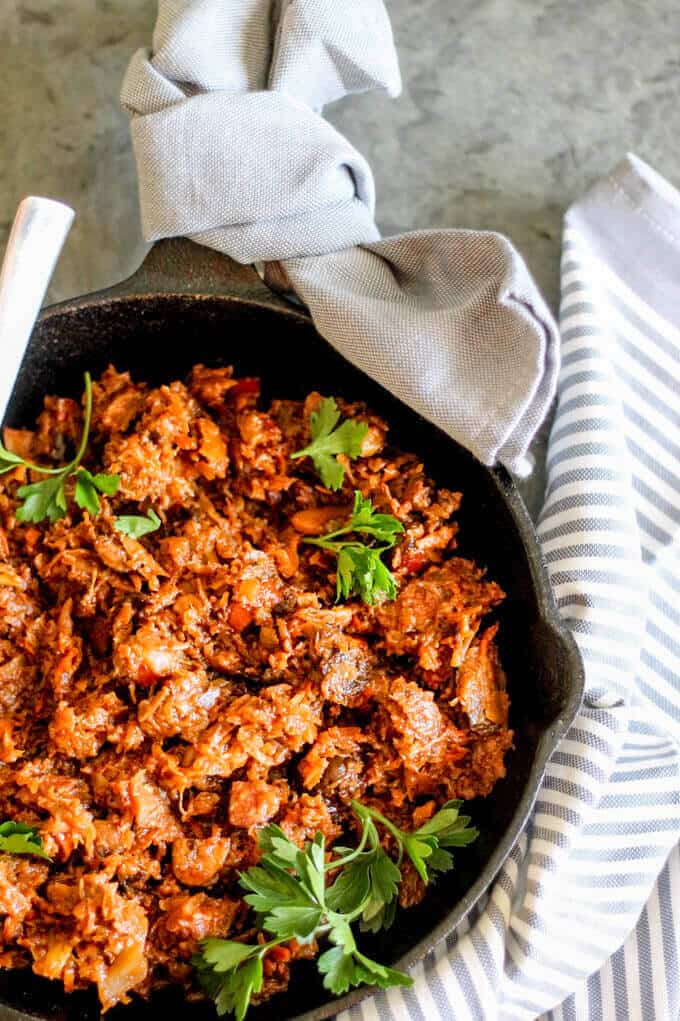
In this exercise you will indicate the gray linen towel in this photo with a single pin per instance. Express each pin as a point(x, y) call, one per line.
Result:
point(232, 151)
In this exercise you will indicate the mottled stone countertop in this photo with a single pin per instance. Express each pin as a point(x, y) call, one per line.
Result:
point(510, 109)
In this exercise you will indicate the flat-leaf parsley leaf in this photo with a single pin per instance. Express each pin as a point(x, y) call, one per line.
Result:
point(88, 486)
point(137, 525)
point(330, 439)
point(20, 838)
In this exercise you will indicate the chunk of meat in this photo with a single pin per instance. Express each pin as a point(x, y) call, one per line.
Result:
point(17, 681)
point(184, 704)
point(258, 731)
point(345, 664)
point(198, 916)
point(64, 652)
point(148, 655)
point(128, 556)
point(20, 882)
point(481, 685)
point(484, 767)
point(203, 803)
point(17, 609)
point(436, 616)
point(19, 442)
point(417, 723)
point(211, 386)
point(254, 802)
point(144, 467)
point(197, 862)
point(305, 817)
point(116, 402)
point(335, 761)
point(59, 428)
point(428, 744)
point(114, 836)
point(80, 731)
point(171, 446)
point(148, 806)
point(67, 802)
point(211, 461)
point(258, 586)
point(259, 455)
point(92, 915)
point(10, 749)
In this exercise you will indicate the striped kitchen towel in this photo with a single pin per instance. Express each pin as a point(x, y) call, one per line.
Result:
point(583, 921)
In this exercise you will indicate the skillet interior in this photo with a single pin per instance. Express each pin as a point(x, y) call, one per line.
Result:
point(159, 337)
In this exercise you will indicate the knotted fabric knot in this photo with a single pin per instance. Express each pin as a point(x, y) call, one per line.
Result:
point(233, 151)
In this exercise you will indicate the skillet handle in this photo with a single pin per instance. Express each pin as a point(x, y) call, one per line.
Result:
point(180, 266)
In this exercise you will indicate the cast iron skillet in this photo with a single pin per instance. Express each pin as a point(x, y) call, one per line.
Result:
point(187, 304)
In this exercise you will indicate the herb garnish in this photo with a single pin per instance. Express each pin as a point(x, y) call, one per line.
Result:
point(136, 525)
point(327, 441)
point(20, 838)
point(47, 499)
point(360, 571)
point(88, 486)
point(288, 891)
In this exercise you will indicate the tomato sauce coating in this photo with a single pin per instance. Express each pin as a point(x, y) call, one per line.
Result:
point(162, 698)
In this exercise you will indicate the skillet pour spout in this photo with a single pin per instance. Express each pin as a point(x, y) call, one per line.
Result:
point(188, 304)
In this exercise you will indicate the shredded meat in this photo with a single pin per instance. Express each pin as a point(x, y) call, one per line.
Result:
point(161, 699)
point(481, 685)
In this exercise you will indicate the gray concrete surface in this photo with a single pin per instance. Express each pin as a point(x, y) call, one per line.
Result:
point(510, 109)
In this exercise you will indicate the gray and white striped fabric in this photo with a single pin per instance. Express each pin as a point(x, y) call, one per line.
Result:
point(583, 921)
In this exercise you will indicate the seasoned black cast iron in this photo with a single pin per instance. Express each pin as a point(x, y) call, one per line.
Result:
point(187, 304)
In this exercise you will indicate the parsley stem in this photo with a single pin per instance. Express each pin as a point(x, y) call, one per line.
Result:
point(352, 916)
point(394, 830)
point(331, 535)
point(86, 424)
point(335, 547)
point(38, 468)
point(261, 949)
point(67, 469)
point(341, 862)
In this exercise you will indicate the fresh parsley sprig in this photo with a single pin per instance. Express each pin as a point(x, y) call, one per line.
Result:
point(428, 846)
point(360, 570)
point(307, 895)
point(47, 499)
point(20, 838)
point(330, 439)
